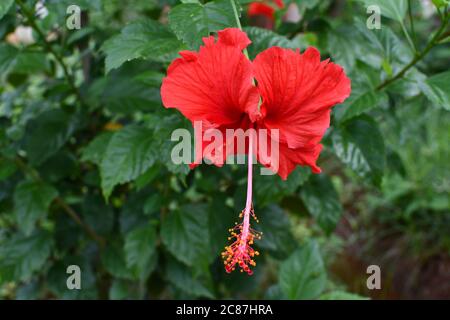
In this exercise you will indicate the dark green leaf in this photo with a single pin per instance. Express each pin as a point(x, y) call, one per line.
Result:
point(140, 250)
point(277, 237)
point(25, 254)
point(96, 149)
point(145, 39)
point(31, 203)
point(322, 201)
point(359, 144)
point(183, 279)
point(48, 133)
point(185, 233)
point(129, 154)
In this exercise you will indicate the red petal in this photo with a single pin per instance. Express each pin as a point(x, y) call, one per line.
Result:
point(288, 158)
point(213, 85)
point(298, 91)
point(234, 37)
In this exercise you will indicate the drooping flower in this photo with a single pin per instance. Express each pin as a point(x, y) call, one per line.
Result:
point(281, 89)
point(264, 8)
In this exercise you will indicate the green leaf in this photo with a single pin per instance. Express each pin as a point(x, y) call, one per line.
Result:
point(382, 48)
point(263, 39)
point(185, 233)
point(5, 5)
point(183, 279)
point(193, 21)
point(7, 168)
point(31, 203)
point(23, 255)
point(271, 189)
point(322, 201)
point(277, 237)
point(394, 9)
point(139, 249)
point(144, 39)
point(47, 133)
point(341, 295)
point(129, 154)
point(441, 3)
point(360, 101)
point(303, 275)
point(342, 48)
point(437, 89)
point(96, 149)
point(359, 144)
point(113, 259)
point(8, 55)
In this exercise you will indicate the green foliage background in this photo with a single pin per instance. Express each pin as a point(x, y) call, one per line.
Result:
point(86, 176)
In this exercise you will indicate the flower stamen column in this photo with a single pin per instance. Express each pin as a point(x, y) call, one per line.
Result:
point(240, 251)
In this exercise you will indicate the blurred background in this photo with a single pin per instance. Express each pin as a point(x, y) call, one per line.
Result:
point(86, 177)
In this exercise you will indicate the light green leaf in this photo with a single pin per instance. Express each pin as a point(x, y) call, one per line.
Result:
point(129, 154)
point(185, 233)
point(31, 203)
point(4, 7)
point(360, 145)
point(193, 21)
point(144, 39)
point(341, 295)
point(437, 89)
point(394, 9)
point(303, 275)
point(322, 201)
point(263, 39)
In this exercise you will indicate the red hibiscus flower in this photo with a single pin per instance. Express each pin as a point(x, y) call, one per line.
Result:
point(281, 89)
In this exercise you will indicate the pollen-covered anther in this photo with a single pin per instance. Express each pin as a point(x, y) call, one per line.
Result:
point(240, 251)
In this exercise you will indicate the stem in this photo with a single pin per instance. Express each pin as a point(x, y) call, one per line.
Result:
point(408, 37)
point(435, 40)
point(248, 203)
point(411, 21)
point(30, 18)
